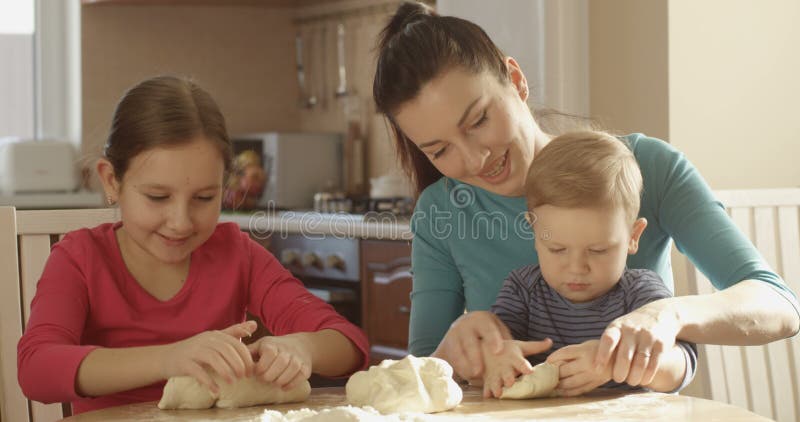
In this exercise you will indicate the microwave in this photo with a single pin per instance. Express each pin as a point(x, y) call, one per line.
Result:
point(296, 164)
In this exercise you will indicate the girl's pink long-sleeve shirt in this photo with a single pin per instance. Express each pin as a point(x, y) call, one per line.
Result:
point(86, 298)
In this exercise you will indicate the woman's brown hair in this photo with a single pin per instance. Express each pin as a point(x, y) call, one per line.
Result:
point(164, 111)
point(414, 48)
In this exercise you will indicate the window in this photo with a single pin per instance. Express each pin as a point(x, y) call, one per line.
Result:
point(40, 75)
point(17, 105)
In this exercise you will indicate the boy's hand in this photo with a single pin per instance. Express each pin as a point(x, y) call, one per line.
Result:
point(284, 361)
point(221, 351)
point(577, 373)
point(502, 369)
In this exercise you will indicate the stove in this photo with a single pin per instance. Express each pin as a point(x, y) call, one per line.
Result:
point(336, 203)
point(328, 266)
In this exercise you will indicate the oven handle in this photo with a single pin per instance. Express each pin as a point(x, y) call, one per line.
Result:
point(391, 278)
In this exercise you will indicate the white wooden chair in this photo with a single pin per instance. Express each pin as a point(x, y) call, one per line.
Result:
point(763, 379)
point(25, 239)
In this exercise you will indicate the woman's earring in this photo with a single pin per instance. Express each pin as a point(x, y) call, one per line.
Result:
point(110, 200)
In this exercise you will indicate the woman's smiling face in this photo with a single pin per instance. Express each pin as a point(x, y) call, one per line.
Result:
point(474, 128)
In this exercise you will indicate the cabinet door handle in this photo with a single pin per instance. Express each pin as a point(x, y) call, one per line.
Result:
point(403, 309)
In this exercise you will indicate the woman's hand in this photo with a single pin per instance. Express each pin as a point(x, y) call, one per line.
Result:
point(577, 373)
point(502, 369)
point(220, 351)
point(634, 343)
point(461, 345)
point(284, 361)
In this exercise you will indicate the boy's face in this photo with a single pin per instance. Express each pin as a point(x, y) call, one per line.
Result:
point(582, 251)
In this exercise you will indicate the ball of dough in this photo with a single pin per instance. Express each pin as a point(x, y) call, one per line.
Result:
point(187, 393)
point(539, 383)
point(409, 385)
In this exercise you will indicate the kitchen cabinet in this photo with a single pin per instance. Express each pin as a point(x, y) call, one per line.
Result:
point(255, 3)
point(385, 289)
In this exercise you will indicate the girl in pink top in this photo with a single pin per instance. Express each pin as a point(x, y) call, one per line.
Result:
point(122, 307)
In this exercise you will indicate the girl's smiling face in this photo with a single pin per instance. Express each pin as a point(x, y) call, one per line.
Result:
point(169, 200)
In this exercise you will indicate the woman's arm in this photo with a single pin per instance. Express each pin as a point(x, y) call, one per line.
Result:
point(748, 313)
point(578, 375)
point(437, 296)
point(760, 308)
point(753, 305)
point(671, 372)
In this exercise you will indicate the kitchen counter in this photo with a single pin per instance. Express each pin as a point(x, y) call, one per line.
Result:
point(53, 200)
point(340, 225)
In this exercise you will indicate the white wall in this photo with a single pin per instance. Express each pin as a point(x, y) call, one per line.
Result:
point(734, 72)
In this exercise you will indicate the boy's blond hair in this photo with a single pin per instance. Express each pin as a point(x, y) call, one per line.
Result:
point(585, 169)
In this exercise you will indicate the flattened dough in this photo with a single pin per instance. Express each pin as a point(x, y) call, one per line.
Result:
point(539, 383)
point(409, 385)
point(187, 393)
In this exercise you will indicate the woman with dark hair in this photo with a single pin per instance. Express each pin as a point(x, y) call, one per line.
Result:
point(465, 136)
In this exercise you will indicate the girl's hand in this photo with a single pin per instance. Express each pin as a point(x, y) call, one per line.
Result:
point(577, 373)
point(462, 344)
point(284, 361)
point(502, 369)
point(220, 351)
point(638, 339)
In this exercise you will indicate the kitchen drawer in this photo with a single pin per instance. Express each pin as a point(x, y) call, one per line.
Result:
point(386, 306)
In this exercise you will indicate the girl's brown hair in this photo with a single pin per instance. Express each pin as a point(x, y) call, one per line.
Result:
point(414, 48)
point(164, 111)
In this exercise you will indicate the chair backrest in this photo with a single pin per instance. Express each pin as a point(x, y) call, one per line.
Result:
point(763, 379)
point(25, 240)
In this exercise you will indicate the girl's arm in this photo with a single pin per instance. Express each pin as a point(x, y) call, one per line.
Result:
point(54, 365)
point(308, 334)
point(288, 360)
point(112, 370)
point(332, 354)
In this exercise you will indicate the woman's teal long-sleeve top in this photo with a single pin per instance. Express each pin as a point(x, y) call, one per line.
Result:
point(466, 240)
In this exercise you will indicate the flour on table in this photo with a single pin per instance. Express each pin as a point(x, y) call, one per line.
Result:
point(539, 383)
point(340, 414)
point(411, 384)
point(637, 406)
point(187, 393)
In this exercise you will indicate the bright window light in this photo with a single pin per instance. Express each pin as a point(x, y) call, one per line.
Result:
point(16, 16)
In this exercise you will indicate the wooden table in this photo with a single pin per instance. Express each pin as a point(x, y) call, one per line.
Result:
point(599, 405)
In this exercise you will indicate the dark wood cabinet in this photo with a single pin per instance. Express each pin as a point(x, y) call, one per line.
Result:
point(385, 290)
